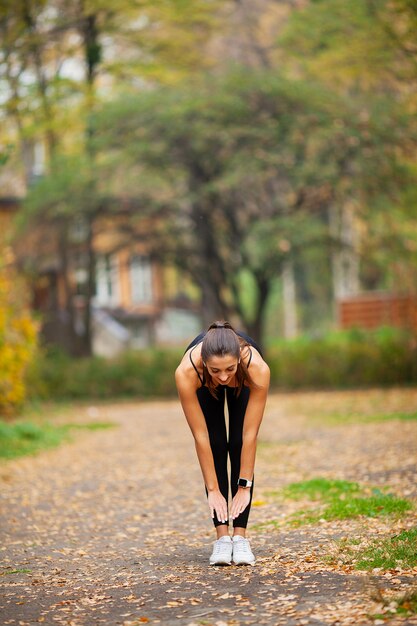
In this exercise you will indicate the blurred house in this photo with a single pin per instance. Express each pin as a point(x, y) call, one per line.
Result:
point(138, 301)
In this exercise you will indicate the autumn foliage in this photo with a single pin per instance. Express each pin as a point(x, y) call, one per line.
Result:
point(18, 342)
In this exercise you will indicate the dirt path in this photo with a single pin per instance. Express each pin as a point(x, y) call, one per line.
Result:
point(113, 528)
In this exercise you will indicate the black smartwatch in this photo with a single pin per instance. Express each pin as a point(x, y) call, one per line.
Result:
point(243, 482)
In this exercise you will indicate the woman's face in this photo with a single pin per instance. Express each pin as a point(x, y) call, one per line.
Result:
point(222, 368)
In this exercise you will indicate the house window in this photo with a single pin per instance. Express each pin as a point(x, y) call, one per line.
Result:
point(141, 279)
point(78, 232)
point(81, 281)
point(107, 286)
point(39, 159)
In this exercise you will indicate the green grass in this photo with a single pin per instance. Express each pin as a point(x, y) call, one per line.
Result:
point(367, 506)
point(92, 426)
point(351, 418)
point(339, 499)
point(392, 416)
point(397, 551)
point(370, 506)
point(16, 571)
point(22, 438)
point(320, 488)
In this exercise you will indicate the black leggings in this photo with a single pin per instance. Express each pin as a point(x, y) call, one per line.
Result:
point(213, 410)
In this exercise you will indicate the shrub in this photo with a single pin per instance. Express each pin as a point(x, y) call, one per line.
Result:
point(339, 360)
point(143, 374)
point(345, 359)
point(18, 343)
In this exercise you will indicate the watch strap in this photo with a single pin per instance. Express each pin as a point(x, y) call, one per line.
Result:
point(244, 482)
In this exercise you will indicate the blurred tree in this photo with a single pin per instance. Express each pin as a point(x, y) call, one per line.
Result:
point(57, 60)
point(365, 48)
point(243, 174)
point(241, 170)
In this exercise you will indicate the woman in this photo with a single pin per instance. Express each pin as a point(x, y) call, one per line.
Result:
point(219, 364)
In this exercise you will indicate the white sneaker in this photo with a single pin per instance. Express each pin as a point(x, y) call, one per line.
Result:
point(222, 551)
point(242, 554)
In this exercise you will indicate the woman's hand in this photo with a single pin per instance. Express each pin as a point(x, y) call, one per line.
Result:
point(218, 505)
point(240, 502)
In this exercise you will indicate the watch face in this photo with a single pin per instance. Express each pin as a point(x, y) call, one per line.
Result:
point(242, 482)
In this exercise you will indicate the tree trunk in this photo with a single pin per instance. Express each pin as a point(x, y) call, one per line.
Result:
point(211, 311)
point(345, 257)
point(289, 301)
point(256, 326)
point(211, 273)
point(68, 291)
point(86, 343)
point(92, 57)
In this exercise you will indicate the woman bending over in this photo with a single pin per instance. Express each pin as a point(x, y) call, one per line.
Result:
point(223, 363)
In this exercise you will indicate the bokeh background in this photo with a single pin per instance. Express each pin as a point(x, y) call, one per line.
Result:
point(165, 164)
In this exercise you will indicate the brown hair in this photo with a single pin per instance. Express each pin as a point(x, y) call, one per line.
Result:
point(220, 340)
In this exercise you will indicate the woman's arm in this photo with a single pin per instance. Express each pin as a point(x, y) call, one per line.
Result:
point(197, 424)
point(253, 418)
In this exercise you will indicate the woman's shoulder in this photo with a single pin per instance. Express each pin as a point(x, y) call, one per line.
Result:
point(186, 371)
point(258, 367)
